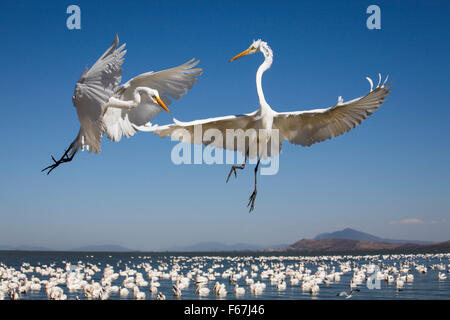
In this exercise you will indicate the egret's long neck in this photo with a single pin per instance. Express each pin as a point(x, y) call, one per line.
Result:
point(268, 55)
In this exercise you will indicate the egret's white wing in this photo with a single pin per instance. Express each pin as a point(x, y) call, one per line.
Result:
point(93, 90)
point(308, 127)
point(213, 131)
point(174, 83)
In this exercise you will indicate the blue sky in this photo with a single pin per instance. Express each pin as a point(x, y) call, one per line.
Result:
point(393, 167)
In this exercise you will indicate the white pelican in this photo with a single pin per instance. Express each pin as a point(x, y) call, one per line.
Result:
point(238, 291)
point(202, 291)
point(139, 295)
point(14, 295)
point(298, 127)
point(399, 282)
point(161, 296)
point(124, 292)
point(153, 290)
point(257, 288)
point(222, 292)
point(105, 107)
point(176, 291)
point(281, 286)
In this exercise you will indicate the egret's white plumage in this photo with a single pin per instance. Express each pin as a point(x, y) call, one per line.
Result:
point(94, 88)
point(105, 107)
point(174, 82)
point(298, 127)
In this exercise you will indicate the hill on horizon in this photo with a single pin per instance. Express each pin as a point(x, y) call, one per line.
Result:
point(352, 237)
point(347, 245)
point(352, 234)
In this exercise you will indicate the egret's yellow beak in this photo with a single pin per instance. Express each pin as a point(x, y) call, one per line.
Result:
point(240, 55)
point(161, 103)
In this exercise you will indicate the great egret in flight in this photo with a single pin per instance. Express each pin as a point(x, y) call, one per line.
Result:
point(298, 127)
point(105, 107)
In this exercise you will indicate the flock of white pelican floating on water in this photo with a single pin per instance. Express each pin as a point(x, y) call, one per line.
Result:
point(210, 277)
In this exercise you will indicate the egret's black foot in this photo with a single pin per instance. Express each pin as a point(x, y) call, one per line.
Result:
point(251, 201)
point(233, 169)
point(65, 158)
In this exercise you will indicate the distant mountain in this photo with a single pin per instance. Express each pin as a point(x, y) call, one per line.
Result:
point(351, 234)
point(24, 248)
point(338, 245)
point(347, 245)
point(218, 246)
point(343, 240)
point(103, 248)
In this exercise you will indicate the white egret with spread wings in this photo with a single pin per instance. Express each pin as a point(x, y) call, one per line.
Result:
point(104, 107)
point(298, 127)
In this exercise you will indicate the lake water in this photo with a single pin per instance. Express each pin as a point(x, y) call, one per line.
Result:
point(424, 286)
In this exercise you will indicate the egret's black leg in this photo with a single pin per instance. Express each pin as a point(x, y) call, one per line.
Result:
point(63, 159)
point(251, 201)
point(233, 168)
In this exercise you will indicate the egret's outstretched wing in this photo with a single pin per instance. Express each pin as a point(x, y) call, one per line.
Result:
point(174, 82)
point(308, 127)
point(93, 90)
point(213, 131)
